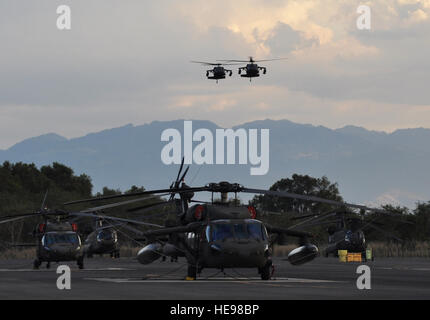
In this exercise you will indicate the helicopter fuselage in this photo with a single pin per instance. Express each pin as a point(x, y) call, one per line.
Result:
point(57, 242)
point(252, 70)
point(352, 241)
point(217, 73)
point(101, 242)
point(233, 244)
point(225, 237)
point(59, 246)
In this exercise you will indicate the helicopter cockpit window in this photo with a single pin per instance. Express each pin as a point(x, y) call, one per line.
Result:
point(105, 235)
point(255, 231)
point(222, 231)
point(240, 231)
point(52, 238)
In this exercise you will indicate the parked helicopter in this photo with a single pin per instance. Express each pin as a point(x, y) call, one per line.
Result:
point(57, 237)
point(220, 234)
point(103, 240)
point(346, 230)
point(218, 72)
point(252, 69)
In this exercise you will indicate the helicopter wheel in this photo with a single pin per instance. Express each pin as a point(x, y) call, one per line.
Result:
point(192, 271)
point(36, 264)
point(81, 262)
point(266, 271)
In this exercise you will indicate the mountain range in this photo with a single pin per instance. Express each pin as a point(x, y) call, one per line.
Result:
point(370, 167)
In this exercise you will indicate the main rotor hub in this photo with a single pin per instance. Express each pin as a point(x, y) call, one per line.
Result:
point(224, 187)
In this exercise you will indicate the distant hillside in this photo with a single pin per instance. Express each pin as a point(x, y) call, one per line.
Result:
point(369, 166)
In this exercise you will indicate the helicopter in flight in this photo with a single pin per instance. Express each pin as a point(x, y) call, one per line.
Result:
point(252, 69)
point(219, 234)
point(218, 71)
point(346, 230)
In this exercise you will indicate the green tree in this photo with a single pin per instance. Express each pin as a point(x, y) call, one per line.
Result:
point(300, 184)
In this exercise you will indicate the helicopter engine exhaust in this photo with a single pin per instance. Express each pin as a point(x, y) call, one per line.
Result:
point(303, 254)
point(149, 253)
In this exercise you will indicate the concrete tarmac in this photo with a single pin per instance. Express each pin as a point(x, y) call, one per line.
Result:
point(125, 278)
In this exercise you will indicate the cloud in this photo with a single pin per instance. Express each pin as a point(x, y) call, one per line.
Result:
point(128, 62)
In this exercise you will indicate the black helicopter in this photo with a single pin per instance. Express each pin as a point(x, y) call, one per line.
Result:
point(58, 239)
point(252, 69)
point(103, 240)
point(346, 229)
point(220, 234)
point(218, 72)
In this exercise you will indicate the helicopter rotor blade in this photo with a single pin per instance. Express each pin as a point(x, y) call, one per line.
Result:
point(315, 220)
point(42, 207)
point(183, 176)
point(243, 61)
point(215, 64)
point(175, 185)
point(152, 205)
point(103, 217)
point(182, 190)
point(180, 169)
point(11, 218)
point(251, 59)
point(290, 195)
point(118, 204)
point(237, 188)
point(267, 60)
point(386, 233)
point(16, 218)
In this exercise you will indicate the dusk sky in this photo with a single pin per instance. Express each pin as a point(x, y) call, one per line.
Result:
point(129, 62)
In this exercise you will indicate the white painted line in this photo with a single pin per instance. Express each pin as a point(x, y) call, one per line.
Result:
point(54, 268)
point(213, 280)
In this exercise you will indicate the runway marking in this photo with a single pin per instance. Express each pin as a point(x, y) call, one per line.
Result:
point(213, 280)
point(54, 268)
point(404, 268)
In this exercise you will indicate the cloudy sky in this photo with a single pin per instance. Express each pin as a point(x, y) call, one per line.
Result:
point(129, 62)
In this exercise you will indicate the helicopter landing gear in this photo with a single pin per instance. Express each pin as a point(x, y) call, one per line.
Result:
point(266, 271)
point(81, 262)
point(48, 265)
point(36, 264)
point(192, 272)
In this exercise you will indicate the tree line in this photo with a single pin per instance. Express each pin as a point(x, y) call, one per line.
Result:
point(23, 186)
